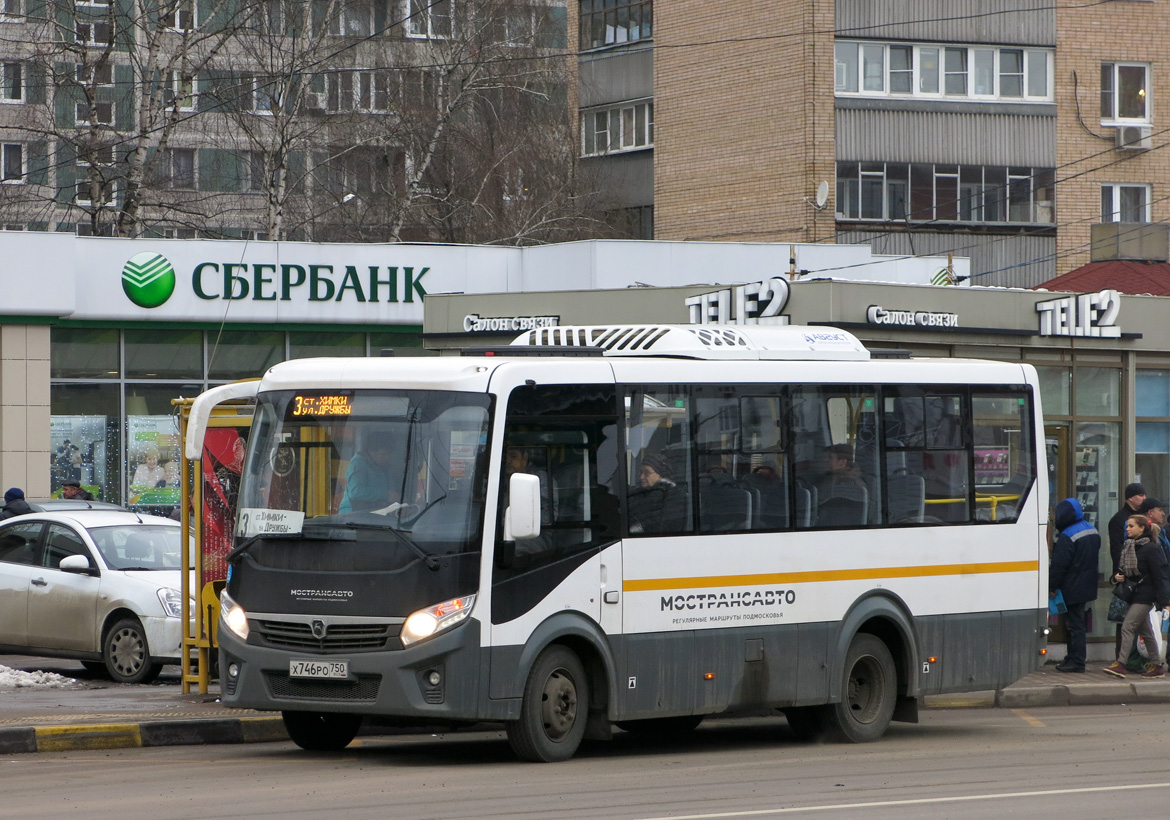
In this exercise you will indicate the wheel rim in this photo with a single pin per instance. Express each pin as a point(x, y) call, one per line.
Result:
point(558, 707)
point(127, 651)
point(866, 689)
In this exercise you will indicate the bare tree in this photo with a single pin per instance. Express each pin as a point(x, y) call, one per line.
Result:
point(122, 77)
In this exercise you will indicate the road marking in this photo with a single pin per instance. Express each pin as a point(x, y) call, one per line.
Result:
point(1024, 716)
point(918, 802)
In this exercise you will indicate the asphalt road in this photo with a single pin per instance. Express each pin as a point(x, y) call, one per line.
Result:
point(1079, 762)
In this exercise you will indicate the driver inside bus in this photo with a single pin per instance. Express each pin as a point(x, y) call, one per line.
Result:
point(368, 478)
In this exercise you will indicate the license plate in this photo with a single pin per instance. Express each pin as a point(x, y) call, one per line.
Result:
point(318, 669)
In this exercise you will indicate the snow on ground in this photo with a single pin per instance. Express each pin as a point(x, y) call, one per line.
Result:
point(17, 679)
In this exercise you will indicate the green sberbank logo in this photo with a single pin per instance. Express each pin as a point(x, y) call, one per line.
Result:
point(148, 279)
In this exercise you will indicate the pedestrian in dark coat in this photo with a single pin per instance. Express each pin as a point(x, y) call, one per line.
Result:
point(1073, 572)
point(14, 504)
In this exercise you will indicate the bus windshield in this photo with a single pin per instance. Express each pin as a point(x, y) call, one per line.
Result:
point(333, 464)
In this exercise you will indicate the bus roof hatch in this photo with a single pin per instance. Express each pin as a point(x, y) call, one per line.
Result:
point(795, 342)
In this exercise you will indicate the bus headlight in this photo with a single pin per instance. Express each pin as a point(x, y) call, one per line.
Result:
point(435, 619)
point(233, 616)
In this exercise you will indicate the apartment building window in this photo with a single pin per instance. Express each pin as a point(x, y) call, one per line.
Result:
point(1124, 92)
point(94, 34)
point(614, 22)
point(921, 192)
point(616, 129)
point(179, 92)
point(11, 10)
point(180, 168)
point(367, 91)
point(180, 233)
point(430, 19)
point(12, 159)
point(359, 171)
point(1125, 202)
point(85, 193)
point(179, 15)
point(358, 18)
point(95, 75)
point(102, 113)
point(11, 82)
point(254, 173)
point(976, 73)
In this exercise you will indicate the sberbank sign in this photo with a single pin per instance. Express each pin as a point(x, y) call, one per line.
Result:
point(149, 279)
point(263, 282)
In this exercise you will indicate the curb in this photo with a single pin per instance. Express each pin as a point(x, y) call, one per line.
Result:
point(195, 732)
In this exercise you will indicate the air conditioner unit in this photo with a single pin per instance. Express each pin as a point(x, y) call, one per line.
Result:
point(1134, 137)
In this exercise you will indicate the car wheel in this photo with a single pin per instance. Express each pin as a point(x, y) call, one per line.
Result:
point(321, 731)
point(869, 692)
point(554, 709)
point(126, 653)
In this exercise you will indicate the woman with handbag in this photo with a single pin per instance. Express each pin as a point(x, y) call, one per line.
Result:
point(1143, 577)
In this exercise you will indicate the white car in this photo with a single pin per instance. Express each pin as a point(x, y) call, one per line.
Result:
point(97, 585)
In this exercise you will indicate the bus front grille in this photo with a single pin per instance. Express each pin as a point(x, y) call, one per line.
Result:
point(369, 637)
point(365, 687)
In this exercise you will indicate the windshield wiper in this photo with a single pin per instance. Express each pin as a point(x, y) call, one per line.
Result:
point(430, 560)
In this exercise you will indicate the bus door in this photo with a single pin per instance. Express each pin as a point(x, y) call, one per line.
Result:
point(567, 436)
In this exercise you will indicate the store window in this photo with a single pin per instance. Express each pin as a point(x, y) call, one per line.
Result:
point(83, 353)
point(85, 436)
point(1152, 445)
point(153, 444)
point(164, 354)
point(1098, 391)
point(243, 354)
point(1055, 389)
point(307, 344)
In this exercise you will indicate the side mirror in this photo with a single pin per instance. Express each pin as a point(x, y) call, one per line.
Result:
point(78, 564)
point(522, 519)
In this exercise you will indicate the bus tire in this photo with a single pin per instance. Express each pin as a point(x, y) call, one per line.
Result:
point(554, 710)
point(868, 692)
point(670, 726)
point(321, 731)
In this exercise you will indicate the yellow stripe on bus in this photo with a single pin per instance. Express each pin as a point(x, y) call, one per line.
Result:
point(769, 579)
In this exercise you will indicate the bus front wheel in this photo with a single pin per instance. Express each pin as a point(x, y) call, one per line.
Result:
point(554, 708)
point(869, 692)
point(321, 731)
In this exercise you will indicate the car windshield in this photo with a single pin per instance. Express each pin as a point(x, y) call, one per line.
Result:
point(331, 465)
point(138, 546)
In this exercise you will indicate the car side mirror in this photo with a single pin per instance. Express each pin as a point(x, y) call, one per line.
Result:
point(522, 519)
point(78, 564)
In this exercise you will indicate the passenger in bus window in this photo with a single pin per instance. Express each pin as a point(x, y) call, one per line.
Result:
point(519, 460)
point(368, 478)
point(657, 504)
point(842, 494)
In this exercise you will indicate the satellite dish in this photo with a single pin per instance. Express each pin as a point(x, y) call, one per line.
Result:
point(822, 194)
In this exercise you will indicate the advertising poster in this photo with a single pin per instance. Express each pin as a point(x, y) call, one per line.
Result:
point(223, 461)
point(78, 444)
point(153, 461)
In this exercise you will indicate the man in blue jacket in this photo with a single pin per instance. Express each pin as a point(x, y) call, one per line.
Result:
point(1073, 571)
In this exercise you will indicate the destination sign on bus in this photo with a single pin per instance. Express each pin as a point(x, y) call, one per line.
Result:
point(335, 405)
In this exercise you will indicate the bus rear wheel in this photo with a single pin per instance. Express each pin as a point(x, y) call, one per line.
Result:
point(321, 731)
point(554, 710)
point(869, 692)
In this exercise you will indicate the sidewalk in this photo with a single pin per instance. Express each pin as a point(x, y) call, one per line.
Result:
point(98, 714)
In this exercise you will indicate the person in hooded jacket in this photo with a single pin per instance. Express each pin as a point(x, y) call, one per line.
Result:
point(14, 504)
point(1142, 562)
point(1073, 572)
